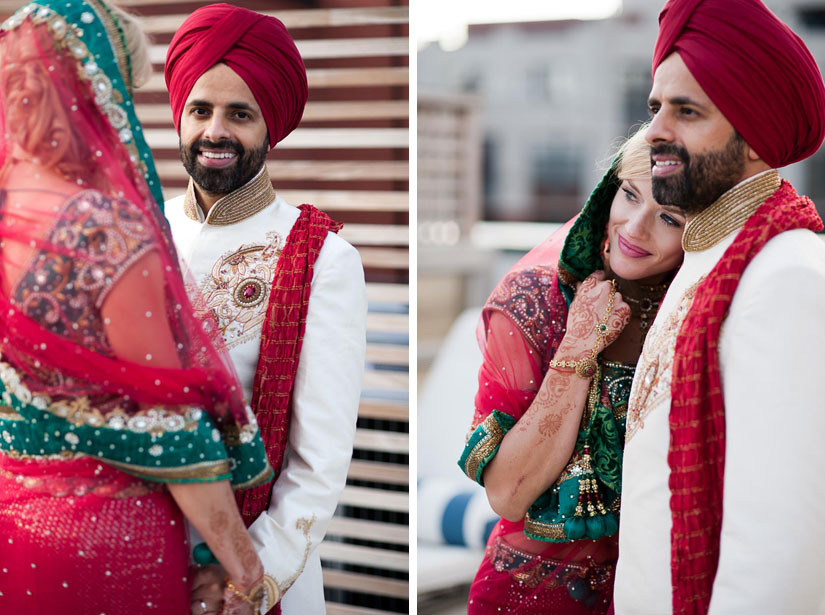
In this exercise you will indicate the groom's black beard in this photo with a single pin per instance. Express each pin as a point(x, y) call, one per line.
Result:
point(704, 177)
point(223, 181)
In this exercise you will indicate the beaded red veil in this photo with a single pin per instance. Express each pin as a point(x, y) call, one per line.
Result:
point(91, 294)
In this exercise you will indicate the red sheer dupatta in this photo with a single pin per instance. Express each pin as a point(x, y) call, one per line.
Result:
point(521, 327)
point(523, 319)
point(98, 328)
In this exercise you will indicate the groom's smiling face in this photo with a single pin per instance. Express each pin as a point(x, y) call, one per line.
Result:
point(223, 135)
point(696, 155)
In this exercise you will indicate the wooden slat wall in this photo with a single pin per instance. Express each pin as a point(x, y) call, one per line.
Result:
point(349, 157)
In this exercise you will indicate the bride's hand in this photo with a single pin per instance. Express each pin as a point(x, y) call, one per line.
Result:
point(590, 308)
point(238, 600)
point(207, 590)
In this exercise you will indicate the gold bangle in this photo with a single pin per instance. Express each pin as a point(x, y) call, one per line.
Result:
point(584, 368)
point(253, 596)
point(588, 367)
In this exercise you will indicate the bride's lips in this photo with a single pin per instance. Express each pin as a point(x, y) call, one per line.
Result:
point(630, 250)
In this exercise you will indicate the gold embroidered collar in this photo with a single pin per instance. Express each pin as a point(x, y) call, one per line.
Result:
point(729, 212)
point(236, 206)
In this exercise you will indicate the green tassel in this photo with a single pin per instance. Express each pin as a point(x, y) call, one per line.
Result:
point(595, 527)
point(611, 524)
point(574, 528)
point(202, 555)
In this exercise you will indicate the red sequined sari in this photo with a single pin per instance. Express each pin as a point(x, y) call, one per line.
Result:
point(112, 383)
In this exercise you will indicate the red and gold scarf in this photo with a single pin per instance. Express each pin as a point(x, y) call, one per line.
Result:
point(281, 339)
point(697, 415)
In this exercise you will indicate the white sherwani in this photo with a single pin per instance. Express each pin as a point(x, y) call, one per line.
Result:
point(772, 360)
point(231, 256)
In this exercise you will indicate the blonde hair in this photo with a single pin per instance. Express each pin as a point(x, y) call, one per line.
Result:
point(633, 157)
point(137, 43)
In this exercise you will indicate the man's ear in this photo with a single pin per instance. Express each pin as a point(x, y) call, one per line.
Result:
point(751, 154)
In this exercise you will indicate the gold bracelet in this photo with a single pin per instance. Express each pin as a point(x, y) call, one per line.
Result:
point(253, 596)
point(588, 367)
point(583, 368)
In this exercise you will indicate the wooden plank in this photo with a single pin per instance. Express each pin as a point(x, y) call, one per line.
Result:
point(383, 410)
point(383, 441)
point(388, 293)
point(302, 138)
point(358, 77)
point(342, 138)
point(380, 499)
point(388, 354)
point(367, 584)
point(356, 110)
point(376, 234)
point(384, 258)
point(362, 529)
point(353, 48)
point(398, 382)
point(350, 200)
point(326, 170)
point(334, 608)
point(165, 24)
point(364, 556)
point(328, 48)
point(388, 323)
point(322, 111)
point(334, 170)
point(323, 78)
point(378, 472)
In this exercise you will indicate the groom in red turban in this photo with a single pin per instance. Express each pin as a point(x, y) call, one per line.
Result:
point(722, 484)
point(287, 292)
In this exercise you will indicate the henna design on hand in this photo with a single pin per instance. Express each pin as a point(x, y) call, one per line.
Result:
point(588, 309)
point(550, 404)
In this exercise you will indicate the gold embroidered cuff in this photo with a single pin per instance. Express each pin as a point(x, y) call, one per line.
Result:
point(483, 444)
point(272, 593)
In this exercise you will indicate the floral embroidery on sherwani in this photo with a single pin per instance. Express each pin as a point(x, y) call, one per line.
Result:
point(237, 289)
point(654, 371)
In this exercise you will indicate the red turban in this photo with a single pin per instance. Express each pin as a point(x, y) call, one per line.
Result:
point(758, 73)
point(256, 47)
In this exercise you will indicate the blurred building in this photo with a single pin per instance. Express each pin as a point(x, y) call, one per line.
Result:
point(549, 101)
point(556, 94)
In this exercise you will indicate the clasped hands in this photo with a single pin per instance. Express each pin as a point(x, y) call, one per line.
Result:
point(209, 594)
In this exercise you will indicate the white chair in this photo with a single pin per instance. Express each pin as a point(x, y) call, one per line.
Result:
point(454, 517)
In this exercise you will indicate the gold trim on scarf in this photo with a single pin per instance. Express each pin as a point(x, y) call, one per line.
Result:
point(204, 469)
point(550, 531)
point(116, 39)
point(259, 479)
point(492, 438)
point(730, 212)
point(237, 206)
point(7, 413)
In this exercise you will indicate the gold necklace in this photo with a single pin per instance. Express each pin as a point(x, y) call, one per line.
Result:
point(729, 212)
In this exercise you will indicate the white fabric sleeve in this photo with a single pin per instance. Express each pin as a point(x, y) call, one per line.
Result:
point(772, 354)
point(324, 411)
